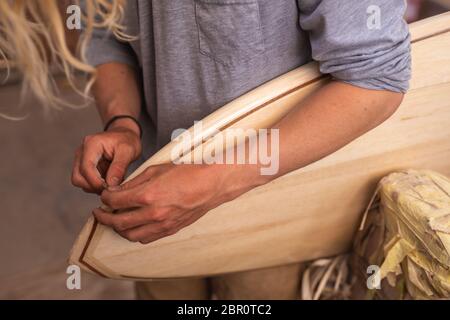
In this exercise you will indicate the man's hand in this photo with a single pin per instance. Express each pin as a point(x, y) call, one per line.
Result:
point(103, 158)
point(166, 198)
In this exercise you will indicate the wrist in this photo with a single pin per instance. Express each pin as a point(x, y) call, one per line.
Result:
point(124, 123)
point(237, 179)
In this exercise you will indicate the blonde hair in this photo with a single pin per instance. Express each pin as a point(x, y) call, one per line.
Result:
point(33, 39)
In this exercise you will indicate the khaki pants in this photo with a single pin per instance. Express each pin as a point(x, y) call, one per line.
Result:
point(264, 284)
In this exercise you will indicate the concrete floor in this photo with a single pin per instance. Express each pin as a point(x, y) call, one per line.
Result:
point(42, 212)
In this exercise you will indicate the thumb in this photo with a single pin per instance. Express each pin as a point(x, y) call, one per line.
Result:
point(119, 165)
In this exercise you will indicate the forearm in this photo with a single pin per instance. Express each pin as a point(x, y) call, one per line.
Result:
point(323, 123)
point(116, 92)
point(328, 120)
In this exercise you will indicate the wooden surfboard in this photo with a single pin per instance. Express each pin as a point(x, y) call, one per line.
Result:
point(309, 213)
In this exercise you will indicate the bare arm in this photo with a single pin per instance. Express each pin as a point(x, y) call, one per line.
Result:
point(166, 198)
point(103, 158)
point(326, 121)
point(331, 118)
point(116, 91)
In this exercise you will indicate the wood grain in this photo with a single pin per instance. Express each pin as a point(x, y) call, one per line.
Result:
point(309, 213)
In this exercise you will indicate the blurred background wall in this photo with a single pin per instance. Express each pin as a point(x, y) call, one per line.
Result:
point(41, 213)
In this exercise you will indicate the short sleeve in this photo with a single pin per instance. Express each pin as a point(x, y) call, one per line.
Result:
point(103, 47)
point(364, 43)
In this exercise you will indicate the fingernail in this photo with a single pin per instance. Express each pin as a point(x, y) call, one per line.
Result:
point(115, 181)
point(113, 188)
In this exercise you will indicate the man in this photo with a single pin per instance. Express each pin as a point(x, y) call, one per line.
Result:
point(194, 56)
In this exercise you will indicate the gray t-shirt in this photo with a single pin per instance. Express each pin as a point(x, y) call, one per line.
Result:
point(196, 55)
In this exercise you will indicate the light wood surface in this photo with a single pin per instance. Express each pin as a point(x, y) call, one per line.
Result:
point(310, 213)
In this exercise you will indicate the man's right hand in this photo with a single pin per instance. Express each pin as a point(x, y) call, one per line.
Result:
point(103, 158)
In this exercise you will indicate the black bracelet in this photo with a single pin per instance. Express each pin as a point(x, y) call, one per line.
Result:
point(123, 116)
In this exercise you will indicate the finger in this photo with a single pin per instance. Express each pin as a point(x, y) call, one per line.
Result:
point(152, 232)
point(90, 157)
point(77, 179)
point(103, 166)
point(89, 190)
point(122, 159)
point(149, 232)
point(125, 198)
point(124, 220)
point(151, 238)
point(144, 176)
